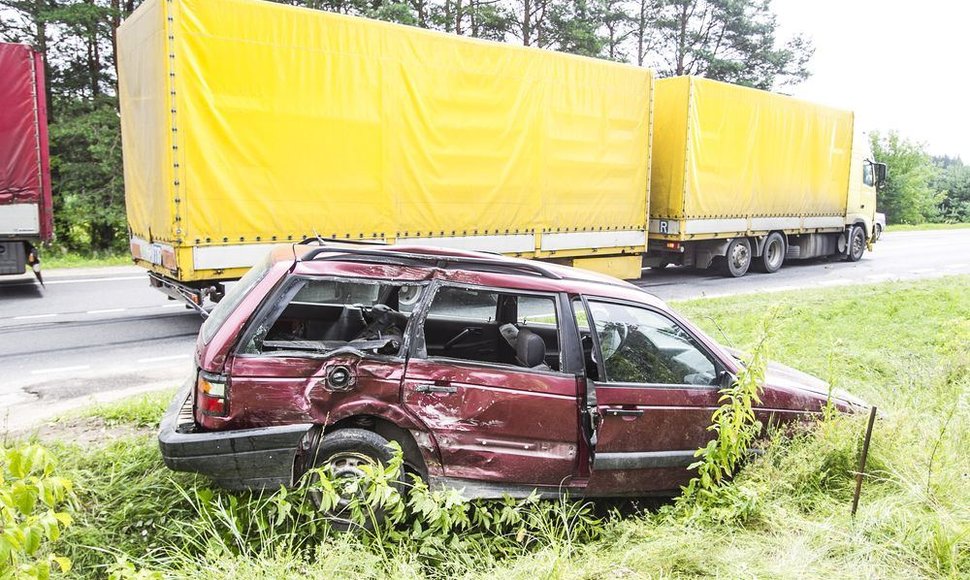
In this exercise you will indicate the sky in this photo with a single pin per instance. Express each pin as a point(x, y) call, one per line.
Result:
point(901, 66)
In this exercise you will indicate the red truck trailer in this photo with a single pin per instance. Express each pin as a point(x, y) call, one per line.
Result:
point(26, 218)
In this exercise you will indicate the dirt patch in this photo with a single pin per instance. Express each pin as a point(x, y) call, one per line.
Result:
point(81, 431)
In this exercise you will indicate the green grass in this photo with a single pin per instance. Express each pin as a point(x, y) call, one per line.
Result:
point(918, 227)
point(52, 259)
point(139, 411)
point(903, 346)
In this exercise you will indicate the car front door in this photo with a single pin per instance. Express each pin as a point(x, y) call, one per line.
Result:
point(499, 415)
point(655, 390)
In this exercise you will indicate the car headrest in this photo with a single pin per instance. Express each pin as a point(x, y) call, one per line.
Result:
point(530, 349)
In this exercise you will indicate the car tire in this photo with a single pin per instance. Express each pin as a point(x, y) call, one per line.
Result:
point(773, 254)
point(876, 232)
point(857, 244)
point(737, 259)
point(345, 451)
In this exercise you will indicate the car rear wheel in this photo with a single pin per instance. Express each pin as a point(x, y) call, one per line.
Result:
point(773, 255)
point(345, 453)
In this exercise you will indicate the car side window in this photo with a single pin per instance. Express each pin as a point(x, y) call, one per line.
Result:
point(638, 345)
point(492, 326)
point(318, 315)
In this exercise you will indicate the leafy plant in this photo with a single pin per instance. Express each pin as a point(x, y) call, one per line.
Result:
point(31, 498)
point(435, 527)
point(735, 427)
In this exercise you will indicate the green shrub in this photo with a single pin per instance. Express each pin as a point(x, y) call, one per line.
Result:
point(31, 500)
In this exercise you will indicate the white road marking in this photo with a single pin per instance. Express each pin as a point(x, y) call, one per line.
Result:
point(164, 358)
point(106, 310)
point(60, 370)
point(86, 280)
point(33, 316)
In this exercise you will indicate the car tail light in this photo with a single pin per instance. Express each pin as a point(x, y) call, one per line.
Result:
point(673, 245)
point(212, 394)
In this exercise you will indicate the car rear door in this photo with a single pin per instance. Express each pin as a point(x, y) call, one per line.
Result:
point(494, 419)
point(655, 390)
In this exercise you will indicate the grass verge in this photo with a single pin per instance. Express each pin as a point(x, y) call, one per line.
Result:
point(51, 259)
point(919, 227)
point(902, 346)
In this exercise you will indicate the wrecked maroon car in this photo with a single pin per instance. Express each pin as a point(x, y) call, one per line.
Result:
point(494, 375)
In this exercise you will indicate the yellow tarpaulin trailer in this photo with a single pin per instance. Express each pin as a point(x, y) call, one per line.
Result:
point(735, 163)
point(246, 123)
point(725, 153)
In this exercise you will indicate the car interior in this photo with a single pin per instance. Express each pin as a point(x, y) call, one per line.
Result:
point(326, 314)
point(468, 325)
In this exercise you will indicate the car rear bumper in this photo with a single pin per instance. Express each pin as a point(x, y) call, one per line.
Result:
point(260, 458)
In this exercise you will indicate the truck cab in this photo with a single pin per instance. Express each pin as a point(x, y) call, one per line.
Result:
point(865, 175)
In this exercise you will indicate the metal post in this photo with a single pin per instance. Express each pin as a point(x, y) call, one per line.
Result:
point(862, 461)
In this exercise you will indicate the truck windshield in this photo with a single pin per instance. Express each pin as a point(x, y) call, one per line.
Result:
point(232, 299)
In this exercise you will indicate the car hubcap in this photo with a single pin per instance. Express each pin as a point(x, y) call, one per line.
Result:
point(345, 469)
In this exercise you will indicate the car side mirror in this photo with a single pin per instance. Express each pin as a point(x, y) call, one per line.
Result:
point(881, 172)
point(726, 379)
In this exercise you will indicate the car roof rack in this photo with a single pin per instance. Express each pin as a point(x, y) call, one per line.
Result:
point(439, 261)
point(320, 241)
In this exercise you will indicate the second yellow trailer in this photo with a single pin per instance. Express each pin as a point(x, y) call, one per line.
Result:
point(742, 177)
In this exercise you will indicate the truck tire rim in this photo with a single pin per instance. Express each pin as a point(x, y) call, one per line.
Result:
point(858, 243)
point(774, 253)
point(739, 257)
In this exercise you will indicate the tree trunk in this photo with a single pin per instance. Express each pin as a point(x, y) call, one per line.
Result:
point(526, 22)
point(40, 43)
point(115, 22)
point(681, 41)
point(641, 31)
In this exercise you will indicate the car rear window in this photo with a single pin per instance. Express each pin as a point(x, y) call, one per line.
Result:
point(234, 296)
point(321, 315)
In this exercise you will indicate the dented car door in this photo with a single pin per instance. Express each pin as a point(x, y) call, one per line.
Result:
point(495, 418)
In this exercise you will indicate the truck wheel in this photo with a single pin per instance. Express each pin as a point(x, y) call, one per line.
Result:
point(343, 453)
point(857, 244)
point(737, 259)
point(660, 265)
point(773, 255)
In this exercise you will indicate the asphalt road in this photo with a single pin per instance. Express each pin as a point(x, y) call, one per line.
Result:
point(102, 333)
